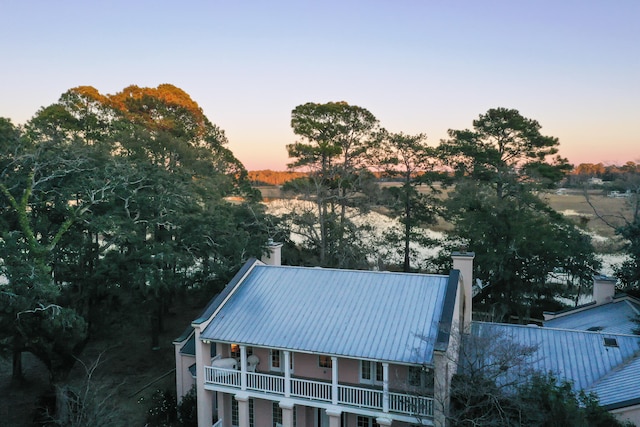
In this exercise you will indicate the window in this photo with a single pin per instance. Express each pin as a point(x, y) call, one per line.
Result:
point(371, 372)
point(235, 417)
point(277, 414)
point(366, 422)
point(610, 342)
point(420, 376)
point(324, 361)
point(277, 360)
point(235, 351)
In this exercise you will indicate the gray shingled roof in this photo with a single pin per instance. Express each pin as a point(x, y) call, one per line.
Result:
point(361, 314)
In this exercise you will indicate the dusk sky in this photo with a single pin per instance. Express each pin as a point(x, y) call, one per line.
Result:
point(418, 66)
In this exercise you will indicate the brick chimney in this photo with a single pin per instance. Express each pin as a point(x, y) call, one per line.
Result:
point(604, 288)
point(463, 261)
point(274, 257)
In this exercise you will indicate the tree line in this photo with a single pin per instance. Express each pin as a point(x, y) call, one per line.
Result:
point(606, 172)
point(269, 177)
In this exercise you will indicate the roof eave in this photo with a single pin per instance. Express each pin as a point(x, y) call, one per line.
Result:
point(184, 336)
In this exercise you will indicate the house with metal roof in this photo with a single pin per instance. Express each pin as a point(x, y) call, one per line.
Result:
point(298, 346)
point(606, 364)
point(304, 346)
point(609, 321)
point(608, 312)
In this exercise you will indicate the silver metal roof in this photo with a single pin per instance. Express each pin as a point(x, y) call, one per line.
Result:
point(361, 314)
point(579, 356)
point(614, 317)
point(620, 386)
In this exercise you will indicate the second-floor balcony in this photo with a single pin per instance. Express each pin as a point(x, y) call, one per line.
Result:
point(354, 396)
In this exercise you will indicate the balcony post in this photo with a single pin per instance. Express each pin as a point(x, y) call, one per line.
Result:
point(334, 380)
point(243, 409)
point(334, 416)
point(385, 387)
point(243, 367)
point(287, 373)
point(287, 412)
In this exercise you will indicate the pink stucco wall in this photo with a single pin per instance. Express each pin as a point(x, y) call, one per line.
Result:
point(307, 365)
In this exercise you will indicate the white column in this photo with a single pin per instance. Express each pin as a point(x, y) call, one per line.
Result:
point(383, 421)
point(287, 374)
point(243, 410)
point(334, 380)
point(385, 388)
point(287, 413)
point(243, 367)
point(334, 416)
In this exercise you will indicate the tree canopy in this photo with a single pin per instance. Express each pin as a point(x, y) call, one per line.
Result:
point(414, 164)
point(518, 239)
point(332, 146)
point(112, 203)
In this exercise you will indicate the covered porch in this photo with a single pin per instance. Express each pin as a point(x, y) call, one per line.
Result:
point(319, 393)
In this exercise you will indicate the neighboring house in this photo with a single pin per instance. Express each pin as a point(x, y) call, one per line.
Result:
point(608, 322)
point(323, 347)
point(606, 364)
point(607, 312)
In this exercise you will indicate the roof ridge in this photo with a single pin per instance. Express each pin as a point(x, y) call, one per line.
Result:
point(402, 273)
point(632, 306)
point(617, 334)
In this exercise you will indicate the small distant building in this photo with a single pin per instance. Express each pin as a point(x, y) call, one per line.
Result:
point(596, 181)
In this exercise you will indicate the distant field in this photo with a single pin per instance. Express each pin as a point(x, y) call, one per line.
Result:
point(574, 204)
point(571, 203)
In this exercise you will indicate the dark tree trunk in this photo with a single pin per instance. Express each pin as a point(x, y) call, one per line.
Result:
point(16, 374)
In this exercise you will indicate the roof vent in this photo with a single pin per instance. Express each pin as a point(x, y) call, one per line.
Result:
point(610, 342)
point(595, 329)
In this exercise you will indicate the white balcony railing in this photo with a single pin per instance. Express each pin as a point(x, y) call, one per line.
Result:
point(308, 389)
point(410, 404)
point(349, 395)
point(261, 382)
point(361, 397)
